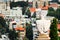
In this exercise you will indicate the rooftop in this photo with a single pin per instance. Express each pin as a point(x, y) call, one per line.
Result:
point(20, 28)
point(1, 15)
point(53, 5)
point(32, 9)
point(42, 8)
point(58, 26)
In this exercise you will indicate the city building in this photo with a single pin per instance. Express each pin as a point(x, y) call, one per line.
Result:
point(40, 3)
point(58, 26)
point(41, 9)
point(5, 7)
point(18, 0)
point(54, 5)
point(22, 0)
point(1, 15)
point(2, 6)
point(21, 32)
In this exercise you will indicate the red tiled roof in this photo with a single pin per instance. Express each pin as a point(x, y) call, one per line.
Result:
point(20, 28)
point(1, 15)
point(45, 8)
point(58, 26)
point(53, 5)
point(32, 9)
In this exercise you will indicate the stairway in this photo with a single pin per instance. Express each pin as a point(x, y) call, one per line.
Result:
point(43, 37)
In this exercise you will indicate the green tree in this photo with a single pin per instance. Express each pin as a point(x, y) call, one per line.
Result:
point(34, 15)
point(53, 30)
point(29, 31)
point(4, 29)
point(25, 38)
point(14, 36)
point(57, 13)
point(51, 9)
point(23, 10)
point(28, 13)
point(3, 26)
point(51, 12)
point(19, 3)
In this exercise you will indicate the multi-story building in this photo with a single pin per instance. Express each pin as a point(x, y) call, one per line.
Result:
point(2, 5)
point(22, 0)
point(40, 2)
point(18, 0)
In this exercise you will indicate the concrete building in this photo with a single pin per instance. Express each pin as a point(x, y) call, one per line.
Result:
point(54, 5)
point(18, 0)
point(22, 0)
point(2, 6)
point(40, 3)
point(21, 32)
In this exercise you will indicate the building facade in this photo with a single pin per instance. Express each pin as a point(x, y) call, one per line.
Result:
point(40, 3)
point(18, 0)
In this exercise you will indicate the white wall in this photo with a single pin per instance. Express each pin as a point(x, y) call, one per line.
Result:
point(2, 6)
point(38, 12)
point(16, 11)
point(20, 0)
point(49, 0)
point(43, 13)
point(31, 0)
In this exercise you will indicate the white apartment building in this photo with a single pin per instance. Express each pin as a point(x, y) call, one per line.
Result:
point(18, 0)
point(40, 2)
point(49, 0)
point(23, 0)
point(2, 5)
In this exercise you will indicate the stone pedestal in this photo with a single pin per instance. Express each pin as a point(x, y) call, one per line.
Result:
point(43, 37)
point(43, 26)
